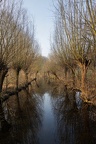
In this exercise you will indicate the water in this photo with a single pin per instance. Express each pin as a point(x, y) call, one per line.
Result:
point(47, 133)
point(49, 115)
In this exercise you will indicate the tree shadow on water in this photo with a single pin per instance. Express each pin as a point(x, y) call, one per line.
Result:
point(74, 125)
point(25, 119)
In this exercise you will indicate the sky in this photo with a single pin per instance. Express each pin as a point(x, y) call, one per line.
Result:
point(42, 13)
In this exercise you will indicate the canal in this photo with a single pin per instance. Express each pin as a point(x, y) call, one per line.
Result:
point(48, 131)
point(48, 114)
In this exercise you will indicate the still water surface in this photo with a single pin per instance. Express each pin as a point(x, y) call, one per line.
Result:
point(49, 115)
point(48, 131)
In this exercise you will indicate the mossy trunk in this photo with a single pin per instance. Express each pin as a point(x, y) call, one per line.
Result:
point(6, 82)
point(17, 78)
point(2, 77)
point(26, 77)
point(73, 78)
point(66, 73)
point(3, 122)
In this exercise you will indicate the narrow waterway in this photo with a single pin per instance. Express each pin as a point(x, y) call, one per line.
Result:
point(48, 114)
point(48, 131)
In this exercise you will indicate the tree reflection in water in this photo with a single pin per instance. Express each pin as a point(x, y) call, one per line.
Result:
point(74, 125)
point(25, 118)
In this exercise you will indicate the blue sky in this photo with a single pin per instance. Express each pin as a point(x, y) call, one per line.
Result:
point(42, 13)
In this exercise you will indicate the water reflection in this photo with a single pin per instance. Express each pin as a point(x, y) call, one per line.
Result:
point(25, 119)
point(74, 125)
point(49, 114)
point(47, 134)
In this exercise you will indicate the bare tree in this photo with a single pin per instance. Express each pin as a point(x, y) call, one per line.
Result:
point(10, 13)
point(18, 46)
point(9, 30)
point(75, 36)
